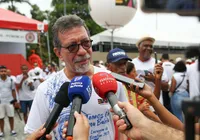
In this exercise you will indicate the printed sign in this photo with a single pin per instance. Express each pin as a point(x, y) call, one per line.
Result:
point(18, 36)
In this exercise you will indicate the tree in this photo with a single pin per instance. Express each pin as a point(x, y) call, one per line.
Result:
point(11, 4)
point(79, 8)
point(41, 47)
point(37, 13)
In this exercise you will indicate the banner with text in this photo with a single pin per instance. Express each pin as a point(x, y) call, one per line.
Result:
point(18, 36)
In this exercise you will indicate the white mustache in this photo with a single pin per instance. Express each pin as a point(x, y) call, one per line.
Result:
point(80, 58)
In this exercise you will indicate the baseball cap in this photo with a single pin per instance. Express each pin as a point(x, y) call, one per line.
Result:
point(144, 39)
point(117, 54)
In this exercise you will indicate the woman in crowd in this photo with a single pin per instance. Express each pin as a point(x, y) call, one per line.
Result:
point(178, 89)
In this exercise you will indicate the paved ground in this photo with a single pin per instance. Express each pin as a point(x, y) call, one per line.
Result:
point(19, 128)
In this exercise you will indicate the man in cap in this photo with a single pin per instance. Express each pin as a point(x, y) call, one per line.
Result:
point(116, 61)
point(144, 63)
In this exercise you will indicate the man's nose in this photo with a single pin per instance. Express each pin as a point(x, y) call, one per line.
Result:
point(81, 50)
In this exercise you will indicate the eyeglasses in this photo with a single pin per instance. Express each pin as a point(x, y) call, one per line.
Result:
point(73, 48)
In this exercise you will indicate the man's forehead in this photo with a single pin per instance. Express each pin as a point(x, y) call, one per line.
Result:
point(24, 67)
point(3, 69)
point(73, 34)
point(72, 31)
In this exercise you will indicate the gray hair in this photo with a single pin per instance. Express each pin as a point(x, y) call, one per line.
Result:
point(65, 23)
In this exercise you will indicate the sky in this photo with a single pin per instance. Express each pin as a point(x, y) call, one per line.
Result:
point(25, 8)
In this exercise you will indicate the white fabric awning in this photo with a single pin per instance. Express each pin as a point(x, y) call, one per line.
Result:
point(167, 29)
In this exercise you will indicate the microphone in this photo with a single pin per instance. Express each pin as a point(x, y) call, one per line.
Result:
point(105, 86)
point(79, 92)
point(127, 80)
point(61, 100)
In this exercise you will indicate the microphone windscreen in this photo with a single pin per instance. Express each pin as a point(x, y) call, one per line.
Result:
point(103, 83)
point(80, 86)
point(62, 95)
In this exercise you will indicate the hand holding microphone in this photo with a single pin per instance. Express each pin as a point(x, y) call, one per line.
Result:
point(81, 127)
point(79, 93)
point(137, 119)
point(105, 86)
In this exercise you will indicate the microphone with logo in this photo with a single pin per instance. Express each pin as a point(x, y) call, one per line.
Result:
point(105, 86)
point(61, 101)
point(79, 93)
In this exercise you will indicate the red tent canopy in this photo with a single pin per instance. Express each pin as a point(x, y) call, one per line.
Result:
point(11, 20)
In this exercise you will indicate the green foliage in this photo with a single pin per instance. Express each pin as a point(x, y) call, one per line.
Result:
point(37, 13)
point(11, 5)
point(79, 8)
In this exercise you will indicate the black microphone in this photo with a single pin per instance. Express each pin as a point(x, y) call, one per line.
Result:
point(61, 101)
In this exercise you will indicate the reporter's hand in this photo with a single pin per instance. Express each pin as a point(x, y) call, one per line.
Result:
point(137, 119)
point(146, 92)
point(81, 127)
point(38, 133)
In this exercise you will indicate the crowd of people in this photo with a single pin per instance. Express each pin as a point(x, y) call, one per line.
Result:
point(154, 111)
point(18, 92)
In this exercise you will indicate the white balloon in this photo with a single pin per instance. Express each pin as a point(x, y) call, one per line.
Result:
point(109, 15)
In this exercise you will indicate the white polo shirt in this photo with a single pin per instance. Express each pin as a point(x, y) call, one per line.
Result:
point(6, 88)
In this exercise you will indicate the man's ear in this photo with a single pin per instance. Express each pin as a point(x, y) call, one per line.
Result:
point(57, 51)
point(108, 66)
point(138, 47)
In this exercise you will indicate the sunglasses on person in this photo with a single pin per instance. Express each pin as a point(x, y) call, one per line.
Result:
point(74, 47)
point(148, 45)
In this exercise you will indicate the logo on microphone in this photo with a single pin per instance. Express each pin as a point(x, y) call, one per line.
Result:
point(77, 78)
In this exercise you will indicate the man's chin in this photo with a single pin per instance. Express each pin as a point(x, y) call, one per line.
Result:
point(83, 69)
point(147, 57)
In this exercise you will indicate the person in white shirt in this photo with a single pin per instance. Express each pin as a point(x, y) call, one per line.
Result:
point(25, 87)
point(72, 45)
point(178, 89)
point(13, 80)
point(194, 77)
point(144, 63)
point(7, 100)
point(168, 69)
point(51, 70)
point(167, 66)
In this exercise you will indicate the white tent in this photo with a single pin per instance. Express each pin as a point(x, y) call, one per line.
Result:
point(167, 29)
